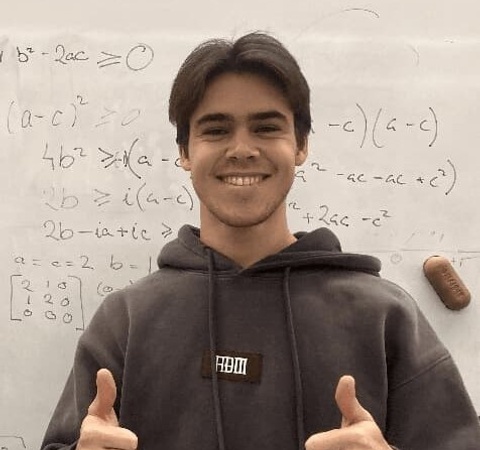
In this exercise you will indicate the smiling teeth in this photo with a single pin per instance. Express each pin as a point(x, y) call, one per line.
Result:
point(243, 181)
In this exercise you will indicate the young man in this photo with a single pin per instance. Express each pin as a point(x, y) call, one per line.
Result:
point(248, 336)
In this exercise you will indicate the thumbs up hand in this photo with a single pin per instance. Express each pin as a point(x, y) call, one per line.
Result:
point(100, 428)
point(358, 430)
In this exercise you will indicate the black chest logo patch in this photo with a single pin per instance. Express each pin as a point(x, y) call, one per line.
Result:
point(233, 366)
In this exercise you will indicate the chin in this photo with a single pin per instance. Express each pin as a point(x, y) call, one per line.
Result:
point(244, 221)
point(238, 223)
point(242, 216)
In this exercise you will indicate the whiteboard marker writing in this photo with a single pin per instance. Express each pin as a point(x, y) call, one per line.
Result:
point(446, 282)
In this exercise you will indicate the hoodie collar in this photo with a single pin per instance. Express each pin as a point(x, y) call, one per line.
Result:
point(316, 248)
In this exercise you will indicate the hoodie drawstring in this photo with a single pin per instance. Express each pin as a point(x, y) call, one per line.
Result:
point(295, 360)
point(212, 330)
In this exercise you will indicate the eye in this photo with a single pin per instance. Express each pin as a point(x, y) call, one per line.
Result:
point(267, 128)
point(214, 132)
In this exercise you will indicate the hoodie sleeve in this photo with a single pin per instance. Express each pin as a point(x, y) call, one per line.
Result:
point(101, 345)
point(428, 406)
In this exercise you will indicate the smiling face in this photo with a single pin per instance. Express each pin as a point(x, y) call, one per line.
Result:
point(242, 152)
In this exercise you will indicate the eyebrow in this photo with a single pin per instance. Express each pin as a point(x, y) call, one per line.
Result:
point(215, 117)
point(265, 115)
point(222, 117)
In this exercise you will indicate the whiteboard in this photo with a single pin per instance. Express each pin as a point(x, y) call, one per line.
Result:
point(91, 188)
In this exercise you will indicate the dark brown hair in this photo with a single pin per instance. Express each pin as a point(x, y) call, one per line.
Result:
point(257, 53)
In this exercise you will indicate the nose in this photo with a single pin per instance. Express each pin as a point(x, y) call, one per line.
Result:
point(242, 146)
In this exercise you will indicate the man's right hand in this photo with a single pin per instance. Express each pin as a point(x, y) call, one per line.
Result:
point(100, 428)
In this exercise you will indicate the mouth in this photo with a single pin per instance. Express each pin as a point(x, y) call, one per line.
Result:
point(243, 180)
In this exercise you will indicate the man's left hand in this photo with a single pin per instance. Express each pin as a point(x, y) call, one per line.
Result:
point(358, 430)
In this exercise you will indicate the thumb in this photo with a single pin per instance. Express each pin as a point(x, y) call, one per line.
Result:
point(102, 405)
point(348, 404)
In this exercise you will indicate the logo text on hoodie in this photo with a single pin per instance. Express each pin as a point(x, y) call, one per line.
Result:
point(233, 366)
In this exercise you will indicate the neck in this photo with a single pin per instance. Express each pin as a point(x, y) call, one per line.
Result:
point(247, 245)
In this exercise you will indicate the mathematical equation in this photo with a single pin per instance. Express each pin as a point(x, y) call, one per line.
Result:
point(78, 112)
point(325, 215)
point(58, 301)
point(80, 263)
point(140, 197)
point(21, 117)
point(442, 178)
point(136, 58)
point(58, 231)
point(133, 160)
point(378, 128)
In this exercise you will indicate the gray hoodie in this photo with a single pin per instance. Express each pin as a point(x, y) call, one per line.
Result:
point(207, 355)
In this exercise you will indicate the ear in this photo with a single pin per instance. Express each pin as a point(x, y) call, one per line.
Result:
point(184, 159)
point(301, 154)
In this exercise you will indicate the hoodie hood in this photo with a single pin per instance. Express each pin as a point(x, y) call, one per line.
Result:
point(316, 248)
